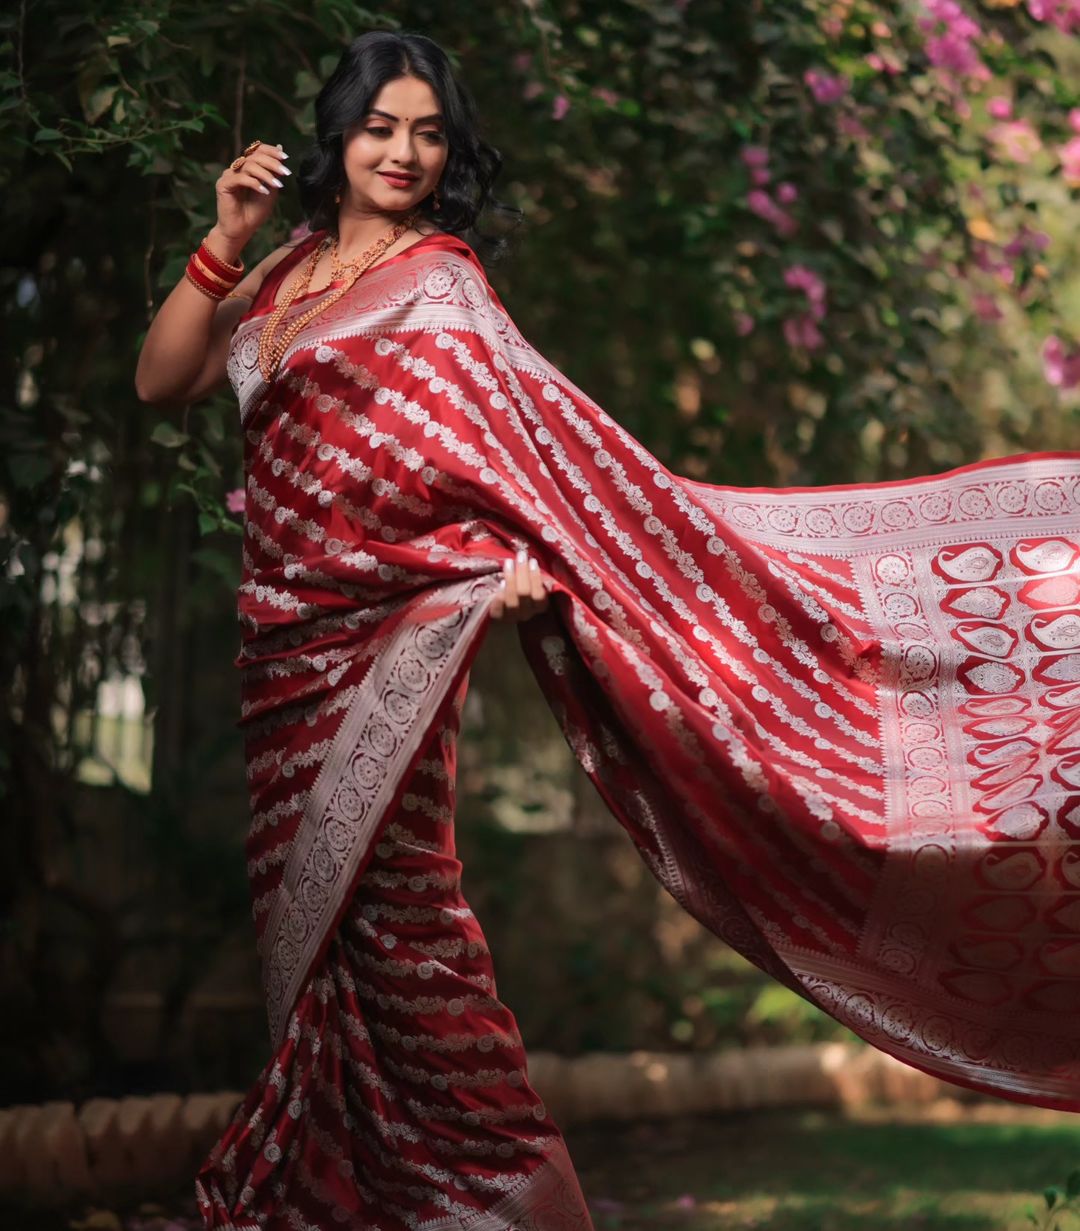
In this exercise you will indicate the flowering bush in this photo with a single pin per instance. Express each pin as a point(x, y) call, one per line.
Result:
point(918, 161)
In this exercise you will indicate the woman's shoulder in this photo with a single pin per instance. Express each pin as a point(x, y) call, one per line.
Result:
point(277, 264)
point(446, 241)
point(299, 243)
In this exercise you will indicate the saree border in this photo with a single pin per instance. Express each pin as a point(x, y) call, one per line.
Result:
point(548, 1199)
point(380, 733)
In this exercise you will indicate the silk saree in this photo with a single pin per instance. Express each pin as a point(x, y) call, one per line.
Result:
point(841, 726)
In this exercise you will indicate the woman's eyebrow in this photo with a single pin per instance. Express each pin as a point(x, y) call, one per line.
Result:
point(423, 119)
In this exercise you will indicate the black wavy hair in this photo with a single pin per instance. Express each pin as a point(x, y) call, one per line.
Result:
point(472, 165)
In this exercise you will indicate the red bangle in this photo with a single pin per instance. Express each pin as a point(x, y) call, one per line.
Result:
point(199, 280)
point(226, 284)
point(215, 264)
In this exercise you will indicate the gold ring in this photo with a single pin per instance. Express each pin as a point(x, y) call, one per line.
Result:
point(238, 162)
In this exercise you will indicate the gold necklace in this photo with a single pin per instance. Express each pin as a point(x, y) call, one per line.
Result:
point(271, 351)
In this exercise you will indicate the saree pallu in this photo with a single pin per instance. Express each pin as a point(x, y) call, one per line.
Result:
point(841, 725)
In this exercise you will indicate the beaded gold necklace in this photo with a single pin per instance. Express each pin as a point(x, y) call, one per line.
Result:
point(272, 350)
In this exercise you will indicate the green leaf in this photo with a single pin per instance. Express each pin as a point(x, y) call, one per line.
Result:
point(207, 523)
point(48, 134)
point(98, 102)
point(1050, 1195)
point(167, 435)
point(307, 85)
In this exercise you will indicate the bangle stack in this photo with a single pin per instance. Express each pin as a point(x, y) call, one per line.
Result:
point(210, 274)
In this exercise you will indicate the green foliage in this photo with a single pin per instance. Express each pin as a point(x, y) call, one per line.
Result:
point(1061, 1206)
point(647, 271)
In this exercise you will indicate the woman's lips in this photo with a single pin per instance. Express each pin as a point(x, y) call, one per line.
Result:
point(398, 181)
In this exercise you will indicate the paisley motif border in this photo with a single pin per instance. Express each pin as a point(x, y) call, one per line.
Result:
point(550, 1199)
point(838, 521)
point(380, 732)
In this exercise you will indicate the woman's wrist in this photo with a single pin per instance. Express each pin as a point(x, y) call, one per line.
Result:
point(225, 247)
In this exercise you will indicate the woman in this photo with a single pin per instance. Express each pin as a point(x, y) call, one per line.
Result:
point(840, 724)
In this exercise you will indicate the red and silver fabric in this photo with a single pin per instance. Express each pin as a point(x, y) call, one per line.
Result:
point(841, 725)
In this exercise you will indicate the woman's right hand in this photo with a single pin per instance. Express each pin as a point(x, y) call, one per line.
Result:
point(245, 198)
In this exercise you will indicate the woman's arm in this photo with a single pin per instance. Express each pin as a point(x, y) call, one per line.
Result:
point(184, 353)
point(183, 357)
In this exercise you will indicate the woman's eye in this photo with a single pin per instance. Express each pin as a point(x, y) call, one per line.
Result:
point(379, 132)
point(434, 137)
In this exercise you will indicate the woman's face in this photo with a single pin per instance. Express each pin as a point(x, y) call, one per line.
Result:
point(401, 134)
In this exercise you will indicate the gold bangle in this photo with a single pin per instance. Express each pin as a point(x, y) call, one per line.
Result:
point(236, 269)
point(203, 268)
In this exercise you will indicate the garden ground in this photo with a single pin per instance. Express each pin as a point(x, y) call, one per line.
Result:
point(947, 1167)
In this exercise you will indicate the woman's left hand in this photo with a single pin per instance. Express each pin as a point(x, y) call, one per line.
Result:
point(522, 595)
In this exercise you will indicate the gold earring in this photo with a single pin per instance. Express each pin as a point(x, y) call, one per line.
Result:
point(438, 202)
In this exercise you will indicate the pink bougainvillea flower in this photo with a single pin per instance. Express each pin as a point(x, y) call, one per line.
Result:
point(560, 106)
point(1069, 153)
point(802, 278)
point(986, 307)
point(1062, 14)
point(759, 202)
point(999, 107)
point(1026, 240)
point(686, 1202)
point(744, 324)
point(952, 36)
point(883, 64)
point(532, 89)
point(852, 127)
point(754, 155)
point(826, 89)
point(236, 500)
point(802, 331)
point(522, 60)
point(1015, 140)
point(605, 95)
point(1061, 367)
point(787, 193)
point(759, 176)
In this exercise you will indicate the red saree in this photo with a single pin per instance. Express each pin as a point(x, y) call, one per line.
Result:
point(841, 725)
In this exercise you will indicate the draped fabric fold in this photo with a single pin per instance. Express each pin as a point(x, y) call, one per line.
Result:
point(841, 725)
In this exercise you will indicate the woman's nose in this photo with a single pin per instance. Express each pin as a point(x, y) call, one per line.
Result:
point(404, 149)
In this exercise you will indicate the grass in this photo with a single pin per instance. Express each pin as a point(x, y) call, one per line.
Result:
point(971, 1169)
point(950, 1167)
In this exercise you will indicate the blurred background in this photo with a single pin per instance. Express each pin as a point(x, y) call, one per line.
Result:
point(783, 243)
